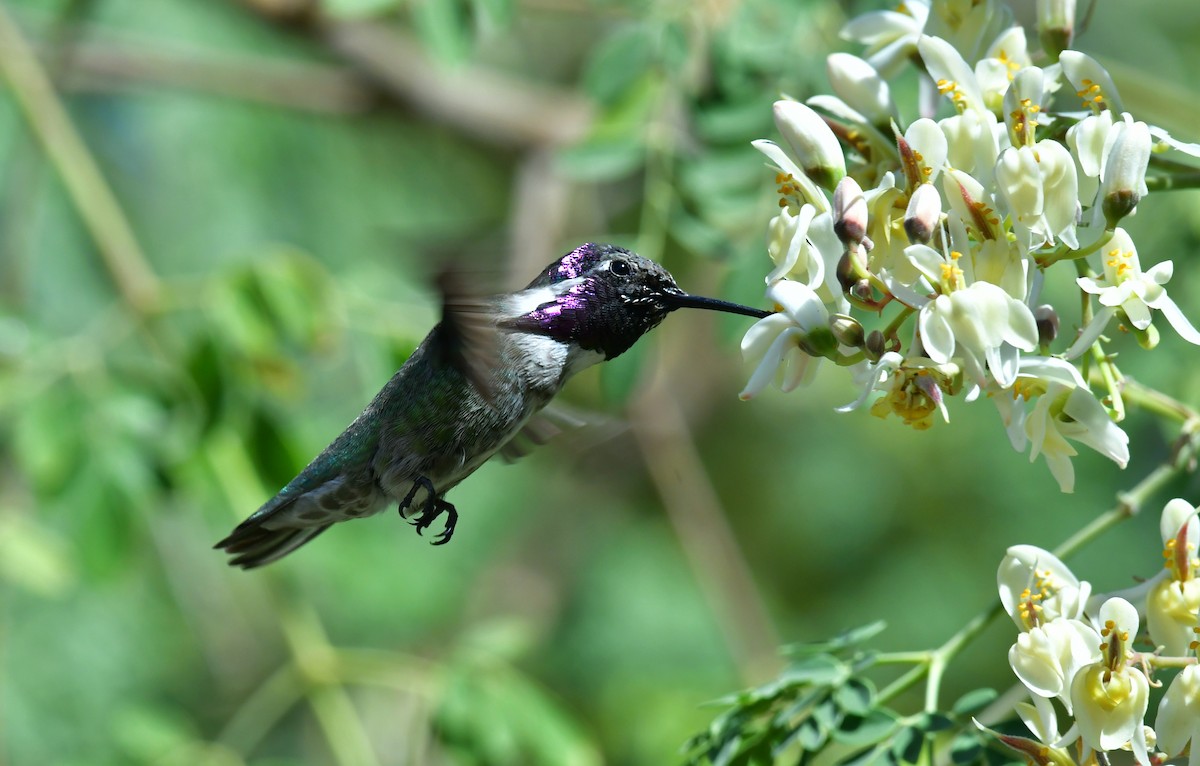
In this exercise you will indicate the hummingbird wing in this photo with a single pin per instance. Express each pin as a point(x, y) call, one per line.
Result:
point(471, 340)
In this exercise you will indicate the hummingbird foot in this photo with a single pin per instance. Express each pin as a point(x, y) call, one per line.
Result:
point(420, 483)
point(436, 507)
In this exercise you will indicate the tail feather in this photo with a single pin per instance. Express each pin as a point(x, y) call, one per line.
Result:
point(253, 545)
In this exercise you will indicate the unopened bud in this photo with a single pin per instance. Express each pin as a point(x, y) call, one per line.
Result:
point(875, 345)
point(923, 214)
point(847, 330)
point(1047, 324)
point(862, 291)
point(1123, 178)
point(857, 83)
point(813, 143)
point(1056, 25)
point(849, 212)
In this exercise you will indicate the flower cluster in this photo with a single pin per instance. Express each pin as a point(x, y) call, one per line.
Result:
point(940, 230)
point(1075, 652)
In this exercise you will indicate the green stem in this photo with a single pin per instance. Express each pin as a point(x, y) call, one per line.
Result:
point(1112, 382)
point(1066, 254)
point(85, 184)
point(262, 710)
point(902, 658)
point(894, 326)
point(1160, 404)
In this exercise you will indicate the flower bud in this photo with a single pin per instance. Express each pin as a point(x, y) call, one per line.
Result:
point(858, 84)
point(1056, 25)
point(812, 142)
point(849, 212)
point(923, 214)
point(1047, 324)
point(875, 345)
point(847, 330)
point(1123, 176)
point(862, 291)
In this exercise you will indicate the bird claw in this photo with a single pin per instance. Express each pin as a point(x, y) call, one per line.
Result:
point(434, 507)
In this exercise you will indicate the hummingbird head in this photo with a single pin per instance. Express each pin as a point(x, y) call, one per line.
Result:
point(604, 298)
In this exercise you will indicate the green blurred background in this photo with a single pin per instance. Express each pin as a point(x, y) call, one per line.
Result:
point(201, 291)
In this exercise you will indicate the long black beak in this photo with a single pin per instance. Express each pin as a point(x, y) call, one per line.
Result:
point(681, 300)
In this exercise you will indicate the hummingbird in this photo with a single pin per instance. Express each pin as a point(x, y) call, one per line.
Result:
point(475, 383)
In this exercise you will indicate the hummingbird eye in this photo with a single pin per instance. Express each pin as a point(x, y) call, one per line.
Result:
point(621, 268)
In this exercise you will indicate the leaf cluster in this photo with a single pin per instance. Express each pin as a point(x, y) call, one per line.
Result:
point(824, 708)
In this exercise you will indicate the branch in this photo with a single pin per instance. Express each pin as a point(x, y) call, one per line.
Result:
point(89, 192)
point(476, 100)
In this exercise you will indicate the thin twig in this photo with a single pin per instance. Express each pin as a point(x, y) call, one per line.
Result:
point(712, 551)
point(89, 192)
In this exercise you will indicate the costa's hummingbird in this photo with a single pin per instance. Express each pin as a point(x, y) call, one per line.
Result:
point(471, 386)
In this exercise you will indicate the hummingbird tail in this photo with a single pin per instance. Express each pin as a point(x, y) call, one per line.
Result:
point(253, 545)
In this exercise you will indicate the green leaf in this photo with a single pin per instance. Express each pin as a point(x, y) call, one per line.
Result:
point(966, 748)
point(875, 727)
point(973, 701)
point(807, 735)
point(844, 640)
point(935, 722)
point(907, 744)
point(875, 756)
point(855, 696)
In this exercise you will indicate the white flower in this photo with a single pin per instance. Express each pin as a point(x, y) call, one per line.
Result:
point(1110, 698)
point(1064, 409)
point(1038, 185)
point(1091, 81)
point(857, 83)
point(1087, 139)
point(1047, 658)
point(916, 389)
point(973, 141)
point(1125, 286)
point(890, 36)
point(795, 187)
point(788, 246)
point(812, 141)
point(1173, 604)
point(1037, 588)
point(777, 342)
point(953, 75)
point(1178, 719)
point(1005, 59)
point(1123, 173)
point(1046, 602)
point(981, 324)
